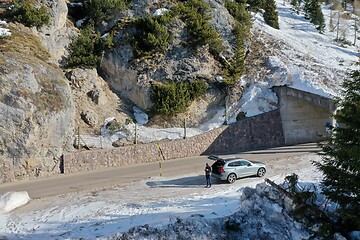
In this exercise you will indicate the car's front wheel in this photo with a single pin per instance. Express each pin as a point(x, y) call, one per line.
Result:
point(231, 178)
point(261, 172)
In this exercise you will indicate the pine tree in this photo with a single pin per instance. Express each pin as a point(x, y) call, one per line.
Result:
point(270, 14)
point(316, 15)
point(82, 51)
point(28, 14)
point(312, 9)
point(103, 10)
point(341, 156)
point(307, 8)
point(296, 5)
point(254, 5)
point(331, 22)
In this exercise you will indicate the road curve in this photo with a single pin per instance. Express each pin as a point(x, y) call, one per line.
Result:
point(85, 181)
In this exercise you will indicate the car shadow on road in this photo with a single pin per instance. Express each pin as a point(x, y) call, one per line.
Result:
point(184, 182)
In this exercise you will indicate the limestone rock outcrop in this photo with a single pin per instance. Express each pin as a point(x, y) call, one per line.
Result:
point(36, 111)
point(132, 78)
point(59, 33)
point(94, 100)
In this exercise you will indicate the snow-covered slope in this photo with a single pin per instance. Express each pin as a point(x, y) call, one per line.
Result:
point(299, 56)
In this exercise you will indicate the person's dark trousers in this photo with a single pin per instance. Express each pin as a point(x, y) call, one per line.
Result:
point(208, 181)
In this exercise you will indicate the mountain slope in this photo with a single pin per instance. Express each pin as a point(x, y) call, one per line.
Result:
point(296, 55)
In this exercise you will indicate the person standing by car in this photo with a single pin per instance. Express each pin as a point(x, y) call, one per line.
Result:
point(207, 175)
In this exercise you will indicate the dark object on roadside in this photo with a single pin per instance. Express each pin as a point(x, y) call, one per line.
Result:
point(207, 175)
point(213, 157)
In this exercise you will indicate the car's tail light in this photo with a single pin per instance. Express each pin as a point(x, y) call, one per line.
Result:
point(222, 169)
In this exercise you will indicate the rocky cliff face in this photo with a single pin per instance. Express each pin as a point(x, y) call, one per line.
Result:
point(37, 110)
point(42, 105)
point(58, 34)
point(132, 78)
point(36, 106)
point(94, 100)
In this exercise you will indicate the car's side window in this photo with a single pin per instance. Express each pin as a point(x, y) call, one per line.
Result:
point(244, 163)
point(235, 164)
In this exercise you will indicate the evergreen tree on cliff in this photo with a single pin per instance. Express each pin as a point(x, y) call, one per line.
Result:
point(341, 156)
point(312, 9)
point(270, 14)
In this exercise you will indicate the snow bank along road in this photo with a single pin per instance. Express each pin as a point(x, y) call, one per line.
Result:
point(278, 160)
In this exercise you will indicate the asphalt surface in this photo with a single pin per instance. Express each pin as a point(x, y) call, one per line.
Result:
point(86, 181)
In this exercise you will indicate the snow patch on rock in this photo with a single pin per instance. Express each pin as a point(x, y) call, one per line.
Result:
point(12, 200)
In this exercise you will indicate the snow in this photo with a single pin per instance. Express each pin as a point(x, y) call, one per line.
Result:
point(104, 36)
point(140, 116)
point(162, 206)
point(11, 200)
point(179, 206)
point(4, 32)
point(75, 4)
point(354, 235)
point(219, 79)
point(147, 134)
point(80, 22)
point(257, 99)
point(307, 60)
point(160, 12)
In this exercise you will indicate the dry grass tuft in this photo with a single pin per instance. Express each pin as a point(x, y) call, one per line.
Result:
point(24, 42)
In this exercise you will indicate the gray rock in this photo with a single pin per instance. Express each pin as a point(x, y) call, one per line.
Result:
point(37, 111)
point(94, 95)
point(57, 35)
point(89, 118)
point(121, 143)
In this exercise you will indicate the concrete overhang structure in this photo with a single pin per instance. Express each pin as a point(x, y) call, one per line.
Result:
point(304, 115)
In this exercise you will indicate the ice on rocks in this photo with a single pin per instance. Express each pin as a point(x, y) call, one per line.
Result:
point(141, 117)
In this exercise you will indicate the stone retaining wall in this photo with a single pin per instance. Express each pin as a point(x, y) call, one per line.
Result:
point(257, 132)
point(250, 133)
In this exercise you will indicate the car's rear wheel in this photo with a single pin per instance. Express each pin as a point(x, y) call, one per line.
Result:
point(231, 178)
point(261, 172)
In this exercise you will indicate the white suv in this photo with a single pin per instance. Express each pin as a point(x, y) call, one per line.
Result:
point(233, 168)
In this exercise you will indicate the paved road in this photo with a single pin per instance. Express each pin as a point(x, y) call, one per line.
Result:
point(66, 183)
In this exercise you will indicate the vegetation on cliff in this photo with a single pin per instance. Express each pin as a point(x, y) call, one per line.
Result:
point(151, 35)
point(27, 14)
point(86, 49)
point(175, 97)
